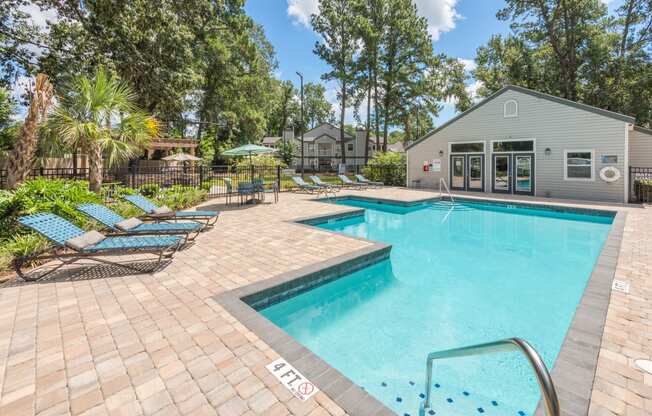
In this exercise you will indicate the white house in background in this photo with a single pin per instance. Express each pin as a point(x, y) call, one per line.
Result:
point(519, 141)
point(322, 150)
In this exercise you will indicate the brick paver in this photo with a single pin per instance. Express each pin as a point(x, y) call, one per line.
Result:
point(97, 341)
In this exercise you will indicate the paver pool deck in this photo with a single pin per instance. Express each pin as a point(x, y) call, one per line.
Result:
point(98, 341)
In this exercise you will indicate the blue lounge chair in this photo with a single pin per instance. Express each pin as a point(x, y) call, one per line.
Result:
point(119, 224)
point(327, 187)
point(303, 186)
point(360, 178)
point(350, 184)
point(71, 243)
point(166, 214)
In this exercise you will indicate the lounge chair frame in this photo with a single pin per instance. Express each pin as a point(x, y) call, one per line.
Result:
point(148, 206)
point(351, 184)
point(68, 256)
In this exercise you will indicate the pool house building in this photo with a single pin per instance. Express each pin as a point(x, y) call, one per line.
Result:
point(520, 141)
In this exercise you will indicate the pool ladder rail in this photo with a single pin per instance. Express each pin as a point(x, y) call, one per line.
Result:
point(445, 186)
point(506, 345)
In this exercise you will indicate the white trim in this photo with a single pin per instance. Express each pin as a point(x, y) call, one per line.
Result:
point(626, 164)
point(505, 115)
point(566, 152)
point(484, 147)
point(526, 139)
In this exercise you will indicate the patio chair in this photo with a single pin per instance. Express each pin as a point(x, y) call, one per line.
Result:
point(229, 189)
point(164, 213)
point(129, 226)
point(350, 184)
point(303, 186)
point(261, 188)
point(71, 243)
point(246, 192)
point(327, 187)
point(360, 178)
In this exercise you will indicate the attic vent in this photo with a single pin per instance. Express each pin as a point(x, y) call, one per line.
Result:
point(510, 109)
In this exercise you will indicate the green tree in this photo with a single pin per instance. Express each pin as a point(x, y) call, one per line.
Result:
point(285, 110)
point(336, 27)
point(286, 151)
point(16, 37)
point(99, 115)
point(7, 129)
point(316, 108)
point(21, 158)
point(577, 50)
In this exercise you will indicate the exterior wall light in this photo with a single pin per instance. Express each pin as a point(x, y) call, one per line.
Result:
point(441, 153)
point(548, 151)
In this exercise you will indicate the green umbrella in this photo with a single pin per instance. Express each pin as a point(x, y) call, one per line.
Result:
point(249, 149)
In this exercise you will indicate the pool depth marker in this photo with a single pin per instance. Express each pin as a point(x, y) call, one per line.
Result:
point(292, 379)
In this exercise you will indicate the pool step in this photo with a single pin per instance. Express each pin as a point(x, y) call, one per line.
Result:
point(447, 206)
point(406, 398)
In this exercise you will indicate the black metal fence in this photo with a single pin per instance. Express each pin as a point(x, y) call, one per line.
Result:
point(640, 184)
point(217, 180)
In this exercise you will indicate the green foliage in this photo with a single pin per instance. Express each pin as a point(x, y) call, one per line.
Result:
point(8, 128)
point(149, 190)
point(286, 151)
point(575, 49)
point(260, 160)
point(180, 197)
point(388, 167)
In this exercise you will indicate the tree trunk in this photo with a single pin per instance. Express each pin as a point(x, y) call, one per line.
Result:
point(95, 167)
point(342, 116)
point(376, 118)
point(368, 126)
point(21, 158)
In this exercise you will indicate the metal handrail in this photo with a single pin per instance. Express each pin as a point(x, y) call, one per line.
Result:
point(511, 344)
point(442, 181)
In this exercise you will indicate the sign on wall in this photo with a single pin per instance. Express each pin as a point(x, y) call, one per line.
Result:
point(436, 165)
point(292, 379)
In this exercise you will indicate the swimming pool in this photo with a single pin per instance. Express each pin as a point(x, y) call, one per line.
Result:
point(475, 273)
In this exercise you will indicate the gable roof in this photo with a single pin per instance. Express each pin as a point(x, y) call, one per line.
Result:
point(537, 94)
point(643, 130)
point(326, 128)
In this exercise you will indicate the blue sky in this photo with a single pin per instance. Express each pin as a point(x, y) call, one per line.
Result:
point(458, 27)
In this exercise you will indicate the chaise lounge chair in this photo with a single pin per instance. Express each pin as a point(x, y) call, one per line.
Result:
point(71, 243)
point(303, 186)
point(350, 184)
point(164, 213)
point(362, 179)
point(128, 226)
point(327, 187)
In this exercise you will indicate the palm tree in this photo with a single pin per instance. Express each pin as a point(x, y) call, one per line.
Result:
point(21, 158)
point(98, 116)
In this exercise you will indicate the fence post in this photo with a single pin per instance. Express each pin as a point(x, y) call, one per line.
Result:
point(201, 176)
point(132, 168)
point(278, 177)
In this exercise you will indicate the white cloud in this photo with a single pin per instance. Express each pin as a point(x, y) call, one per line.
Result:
point(469, 64)
point(441, 14)
point(301, 10)
point(472, 90)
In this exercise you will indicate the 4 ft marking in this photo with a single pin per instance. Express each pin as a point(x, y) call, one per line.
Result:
point(292, 379)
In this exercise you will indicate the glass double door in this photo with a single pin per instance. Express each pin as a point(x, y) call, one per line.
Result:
point(467, 172)
point(513, 173)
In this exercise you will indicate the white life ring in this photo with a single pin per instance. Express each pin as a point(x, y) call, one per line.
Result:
point(609, 174)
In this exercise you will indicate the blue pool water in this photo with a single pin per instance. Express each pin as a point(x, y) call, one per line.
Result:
point(476, 273)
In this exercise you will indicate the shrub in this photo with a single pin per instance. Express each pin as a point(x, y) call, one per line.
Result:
point(149, 190)
point(389, 168)
point(260, 160)
point(180, 197)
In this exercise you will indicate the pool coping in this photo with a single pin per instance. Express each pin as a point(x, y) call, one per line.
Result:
point(573, 372)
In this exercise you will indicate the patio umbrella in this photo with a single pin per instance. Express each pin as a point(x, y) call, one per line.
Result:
point(182, 157)
point(249, 149)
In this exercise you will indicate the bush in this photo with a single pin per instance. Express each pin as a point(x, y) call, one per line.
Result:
point(389, 168)
point(260, 160)
point(149, 190)
point(180, 197)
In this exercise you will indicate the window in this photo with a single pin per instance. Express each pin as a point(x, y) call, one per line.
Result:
point(510, 109)
point(514, 146)
point(349, 147)
point(477, 147)
point(578, 165)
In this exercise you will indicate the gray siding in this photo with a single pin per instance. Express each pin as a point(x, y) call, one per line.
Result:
point(553, 125)
point(640, 149)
